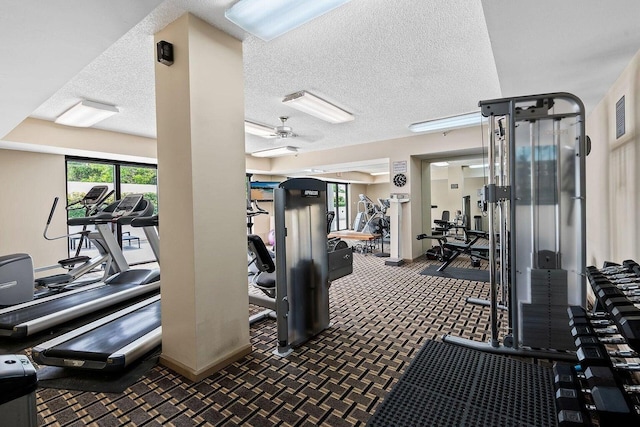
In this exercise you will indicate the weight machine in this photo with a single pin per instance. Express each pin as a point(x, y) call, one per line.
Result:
point(372, 218)
point(535, 199)
point(296, 285)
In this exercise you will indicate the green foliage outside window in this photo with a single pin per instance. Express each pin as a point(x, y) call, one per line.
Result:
point(103, 173)
point(89, 172)
point(134, 175)
point(339, 195)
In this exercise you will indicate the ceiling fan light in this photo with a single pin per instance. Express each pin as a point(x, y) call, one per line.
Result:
point(258, 130)
point(317, 107)
point(270, 19)
point(447, 123)
point(86, 114)
point(276, 152)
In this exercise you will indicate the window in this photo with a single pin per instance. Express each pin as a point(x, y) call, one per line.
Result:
point(122, 179)
point(338, 202)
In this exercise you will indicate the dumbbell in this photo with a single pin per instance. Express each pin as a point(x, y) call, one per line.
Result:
point(567, 400)
point(610, 402)
point(607, 399)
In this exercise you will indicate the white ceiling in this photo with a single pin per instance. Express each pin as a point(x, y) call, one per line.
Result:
point(389, 63)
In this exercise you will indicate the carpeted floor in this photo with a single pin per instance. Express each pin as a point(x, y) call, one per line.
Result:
point(381, 317)
point(473, 274)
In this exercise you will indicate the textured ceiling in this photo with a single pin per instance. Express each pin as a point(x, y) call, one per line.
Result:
point(389, 66)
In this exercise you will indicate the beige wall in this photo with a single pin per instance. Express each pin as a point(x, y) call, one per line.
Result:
point(377, 191)
point(613, 175)
point(83, 141)
point(30, 183)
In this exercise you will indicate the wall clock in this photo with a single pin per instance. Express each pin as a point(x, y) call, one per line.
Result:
point(399, 180)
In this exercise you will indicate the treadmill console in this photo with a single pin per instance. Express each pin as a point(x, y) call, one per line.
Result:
point(96, 193)
point(127, 205)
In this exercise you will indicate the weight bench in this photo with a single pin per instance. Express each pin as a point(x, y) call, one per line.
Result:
point(449, 250)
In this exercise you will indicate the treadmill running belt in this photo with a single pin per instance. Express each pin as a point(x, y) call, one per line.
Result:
point(98, 344)
point(9, 320)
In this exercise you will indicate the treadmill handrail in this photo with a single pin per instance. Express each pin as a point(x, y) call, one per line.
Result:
point(42, 300)
point(47, 321)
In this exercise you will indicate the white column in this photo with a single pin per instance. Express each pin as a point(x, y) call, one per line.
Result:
point(201, 171)
point(396, 230)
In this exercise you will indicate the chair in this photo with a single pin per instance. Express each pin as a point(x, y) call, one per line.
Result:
point(442, 225)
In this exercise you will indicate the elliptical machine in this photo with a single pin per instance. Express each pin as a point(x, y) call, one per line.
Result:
point(78, 265)
point(17, 275)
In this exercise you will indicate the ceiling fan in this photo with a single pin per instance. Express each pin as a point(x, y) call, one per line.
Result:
point(279, 132)
point(283, 131)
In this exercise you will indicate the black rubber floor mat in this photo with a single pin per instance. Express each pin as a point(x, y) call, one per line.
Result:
point(100, 382)
point(448, 385)
point(457, 273)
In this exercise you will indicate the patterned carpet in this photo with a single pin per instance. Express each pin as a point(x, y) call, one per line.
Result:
point(381, 316)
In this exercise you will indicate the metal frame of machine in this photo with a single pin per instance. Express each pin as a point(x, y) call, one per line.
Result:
point(536, 207)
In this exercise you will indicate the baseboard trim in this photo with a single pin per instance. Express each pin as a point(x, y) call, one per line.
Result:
point(209, 370)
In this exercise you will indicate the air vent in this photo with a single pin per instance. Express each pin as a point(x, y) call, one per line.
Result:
point(620, 118)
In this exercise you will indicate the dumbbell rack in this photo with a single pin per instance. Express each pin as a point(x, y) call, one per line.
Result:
point(603, 387)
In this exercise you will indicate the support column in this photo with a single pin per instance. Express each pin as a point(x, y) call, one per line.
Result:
point(396, 217)
point(201, 171)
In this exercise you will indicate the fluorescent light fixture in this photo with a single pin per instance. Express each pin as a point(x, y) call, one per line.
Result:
point(378, 173)
point(448, 123)
point(478, 166)
point(276, 152)
point(85, 114)
point(317, 107)
point(270, 19)
point(259, 130)
point(440, 163)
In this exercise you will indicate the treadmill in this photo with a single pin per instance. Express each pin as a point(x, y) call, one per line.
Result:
point(115, 341)
point(28, 318)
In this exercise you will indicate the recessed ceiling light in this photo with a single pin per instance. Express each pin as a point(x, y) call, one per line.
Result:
point(379, 173)
point(317, 107)
point(276, 152)
point(448, 123)
point(259, 130)
point(478, 166)
point(440, 163)
point(270, 19)
point(86, 113)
